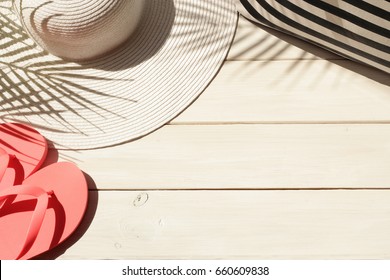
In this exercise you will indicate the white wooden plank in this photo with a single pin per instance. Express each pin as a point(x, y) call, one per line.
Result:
point(245, 156)
point(292, 91)
point(257, 42)
point(233, 225)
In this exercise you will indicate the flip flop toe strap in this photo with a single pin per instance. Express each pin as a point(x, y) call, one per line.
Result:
point(4, 162)
point(38, 215)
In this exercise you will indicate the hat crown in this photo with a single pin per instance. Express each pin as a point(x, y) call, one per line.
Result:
point(79, 29)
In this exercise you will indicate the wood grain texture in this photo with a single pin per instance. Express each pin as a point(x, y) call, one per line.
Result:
point(293, 91)
point(270, 77)
point(235, 225)
point(283, 115)
point(245, 156)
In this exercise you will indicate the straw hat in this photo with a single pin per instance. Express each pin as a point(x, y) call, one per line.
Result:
point(96, 73)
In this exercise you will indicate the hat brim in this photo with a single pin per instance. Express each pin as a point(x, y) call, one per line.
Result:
point(176, 51)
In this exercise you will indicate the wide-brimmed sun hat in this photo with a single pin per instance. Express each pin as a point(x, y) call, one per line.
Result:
point(96, 73)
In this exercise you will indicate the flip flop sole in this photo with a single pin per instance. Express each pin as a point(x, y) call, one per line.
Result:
point(29, 147)
point(64, 213)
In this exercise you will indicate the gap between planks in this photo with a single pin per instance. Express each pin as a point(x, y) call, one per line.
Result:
point(352, 122)
point(242, 189)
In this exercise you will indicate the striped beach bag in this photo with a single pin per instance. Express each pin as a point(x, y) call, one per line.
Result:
point(356, 29)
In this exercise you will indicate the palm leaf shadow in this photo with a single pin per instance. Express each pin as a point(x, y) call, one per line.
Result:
point(29, 87)
point(275, 44)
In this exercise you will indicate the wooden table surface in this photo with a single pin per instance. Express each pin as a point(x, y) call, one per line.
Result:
point(286, 155)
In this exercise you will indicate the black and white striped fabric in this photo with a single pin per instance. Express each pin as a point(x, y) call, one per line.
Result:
point(356, 29)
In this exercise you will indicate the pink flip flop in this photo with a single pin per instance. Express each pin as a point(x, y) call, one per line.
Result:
point(42, 212)
point(27, 150)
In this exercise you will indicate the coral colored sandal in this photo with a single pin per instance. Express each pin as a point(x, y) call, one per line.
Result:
point(4, 162)
point(42, 212)
point(11, 171)
point(27, 150)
